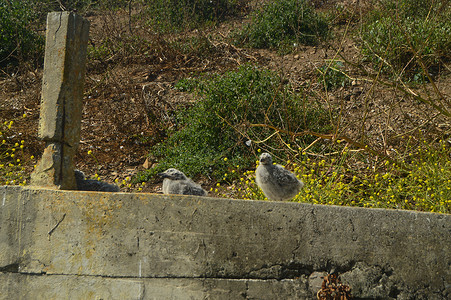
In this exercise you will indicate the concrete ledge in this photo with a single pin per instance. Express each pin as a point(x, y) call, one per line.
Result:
point(19, 286)
point(208, 244)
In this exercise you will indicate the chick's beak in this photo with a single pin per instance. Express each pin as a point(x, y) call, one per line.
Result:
point(163, 175)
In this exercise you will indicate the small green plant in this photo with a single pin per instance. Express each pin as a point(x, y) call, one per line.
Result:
point(332, 75)
point(80, 5)
point(112, 50)
point(101, 51)
point(344, 13)
point(403, 35)
point(220, 129)
point(176, 15)
point(197, 46)
point(128, 184)
point(13, 161)
point(284, 24)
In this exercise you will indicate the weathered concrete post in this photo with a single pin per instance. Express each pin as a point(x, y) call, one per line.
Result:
point(61, 101)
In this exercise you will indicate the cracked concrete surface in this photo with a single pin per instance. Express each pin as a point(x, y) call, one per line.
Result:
point(145, 246)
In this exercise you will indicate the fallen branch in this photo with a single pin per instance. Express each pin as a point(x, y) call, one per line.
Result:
point(333, 137)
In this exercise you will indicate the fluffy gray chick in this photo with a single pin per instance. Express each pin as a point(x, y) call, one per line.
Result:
point(175, 182)
point(84, 184)
point(276, 182)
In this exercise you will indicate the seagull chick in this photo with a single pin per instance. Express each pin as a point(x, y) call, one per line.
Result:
point(276, 182)
point(84, 184)
point(175, 182)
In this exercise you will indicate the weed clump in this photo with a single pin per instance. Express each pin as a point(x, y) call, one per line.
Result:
point(284, 24)
point(176, 15)
point(13, 161)
point(332, 75)
point(219, 130)
point(422, 184)
point(404, 35)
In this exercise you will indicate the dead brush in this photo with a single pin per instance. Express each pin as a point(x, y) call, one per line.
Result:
point(333, 289)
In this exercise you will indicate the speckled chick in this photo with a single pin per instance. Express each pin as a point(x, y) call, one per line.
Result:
point(175, 182)
point(84, 184)
point(276, 182)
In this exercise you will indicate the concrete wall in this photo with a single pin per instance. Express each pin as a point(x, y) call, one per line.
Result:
point(92, 245)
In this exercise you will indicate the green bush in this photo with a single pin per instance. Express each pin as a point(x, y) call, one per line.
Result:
point(18, 40)
point(215, 130)
point(282, 24)
point(80, 5)
point(175, 15)
point(400, 32)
